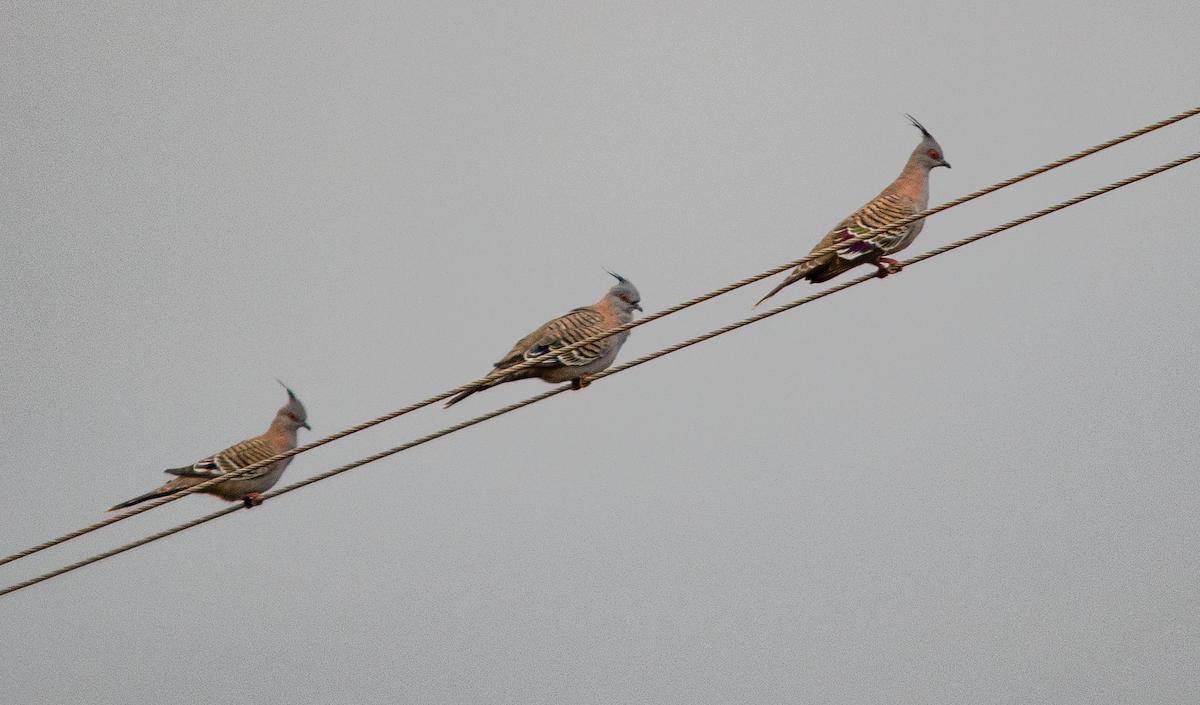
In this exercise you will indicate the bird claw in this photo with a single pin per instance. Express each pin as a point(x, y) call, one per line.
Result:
point(253, 499)
point(886, 266)
point(580, 383)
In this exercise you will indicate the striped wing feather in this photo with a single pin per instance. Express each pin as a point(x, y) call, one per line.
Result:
point(557, 334)
point(571, 328)
point(233, 458)
point(886, 209)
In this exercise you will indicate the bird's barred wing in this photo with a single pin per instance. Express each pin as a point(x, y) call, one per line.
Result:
point(233, 458)
point(561, 332)
point(206, 469)
point(882, 211)
point(245, 454)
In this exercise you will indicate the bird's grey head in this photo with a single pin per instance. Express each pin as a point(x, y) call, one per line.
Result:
point(292, 413)
point(929, 153)
point(626, 296)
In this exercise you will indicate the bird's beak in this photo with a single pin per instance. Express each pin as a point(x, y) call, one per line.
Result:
point(305, 425)
point(638, 307)
point(945, 163)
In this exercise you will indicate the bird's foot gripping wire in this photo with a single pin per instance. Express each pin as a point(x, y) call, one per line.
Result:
point(581, 382)
point(887, 266)
point(252, 499)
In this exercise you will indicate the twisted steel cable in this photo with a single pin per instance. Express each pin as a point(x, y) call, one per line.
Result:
point(601, 336)
point(611, 371)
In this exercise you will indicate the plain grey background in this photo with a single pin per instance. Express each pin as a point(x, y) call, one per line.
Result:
point(975, 481)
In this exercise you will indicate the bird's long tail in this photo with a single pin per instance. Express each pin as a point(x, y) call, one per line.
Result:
point(459, 397)
point(493, 378)
point(142, 498)
point(463, 395)
point(791, 279)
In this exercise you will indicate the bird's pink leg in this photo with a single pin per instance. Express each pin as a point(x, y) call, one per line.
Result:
point(581, 382)
point(252, 499)
point(886, 266)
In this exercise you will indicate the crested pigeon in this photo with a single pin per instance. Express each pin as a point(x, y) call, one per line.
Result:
point(907, 195)
point(614, 309)
point(279, 438)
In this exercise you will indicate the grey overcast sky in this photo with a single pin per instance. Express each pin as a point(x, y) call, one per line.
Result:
point(975, 481)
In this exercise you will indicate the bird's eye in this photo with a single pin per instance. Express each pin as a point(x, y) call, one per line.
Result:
point(933, 154)
point(624, 298)
point(293, 417)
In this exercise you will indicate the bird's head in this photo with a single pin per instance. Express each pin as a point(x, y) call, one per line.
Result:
point(929, 153)
point(292, 413)
point(625, 295)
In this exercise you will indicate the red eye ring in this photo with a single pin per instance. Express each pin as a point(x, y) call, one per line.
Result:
point(933, 154)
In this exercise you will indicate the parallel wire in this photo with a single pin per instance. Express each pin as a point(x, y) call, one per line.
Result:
point(595, 338)
point(612, 371)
